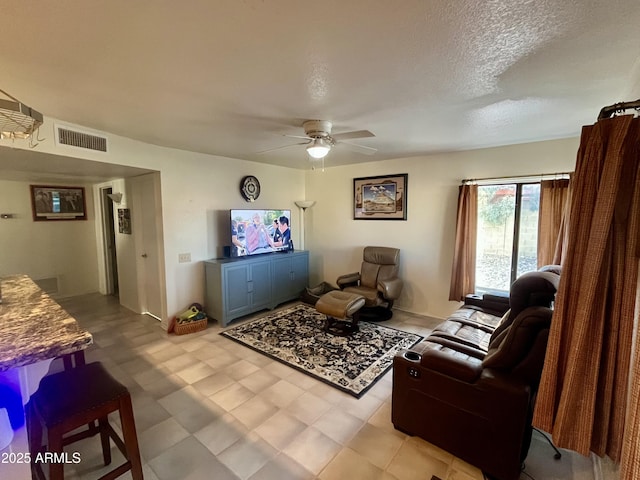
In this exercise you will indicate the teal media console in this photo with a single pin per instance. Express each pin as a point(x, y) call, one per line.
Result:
point(239, 286)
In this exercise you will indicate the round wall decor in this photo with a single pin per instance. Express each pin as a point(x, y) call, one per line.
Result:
point(250, 188)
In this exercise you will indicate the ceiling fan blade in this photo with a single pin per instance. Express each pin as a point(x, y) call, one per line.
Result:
point(298, 136)
point(283, 146)
point(358, 148)
point(356, 134)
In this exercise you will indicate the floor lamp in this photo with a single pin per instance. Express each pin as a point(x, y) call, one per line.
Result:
point(303, 205)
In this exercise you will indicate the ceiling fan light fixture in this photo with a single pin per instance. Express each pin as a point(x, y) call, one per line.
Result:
point(319, 148)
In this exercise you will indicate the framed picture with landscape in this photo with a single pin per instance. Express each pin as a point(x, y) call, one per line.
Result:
point(380, 198)
point(58, 203)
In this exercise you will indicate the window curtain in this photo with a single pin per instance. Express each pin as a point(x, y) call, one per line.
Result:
point(463, 272)
point(630, 467)
point(554, 203)
point(583, 396)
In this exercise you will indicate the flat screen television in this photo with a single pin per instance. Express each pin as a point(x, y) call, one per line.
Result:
point(260, 231)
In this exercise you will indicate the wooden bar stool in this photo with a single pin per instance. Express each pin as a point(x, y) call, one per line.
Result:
point(72, 360)
point(74, 398)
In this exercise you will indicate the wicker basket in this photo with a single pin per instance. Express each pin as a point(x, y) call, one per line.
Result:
point(190, 327)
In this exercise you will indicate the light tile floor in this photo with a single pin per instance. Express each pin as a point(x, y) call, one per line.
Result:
point(209, 408)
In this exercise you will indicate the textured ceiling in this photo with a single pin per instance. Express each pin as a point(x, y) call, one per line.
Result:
point(232, 77)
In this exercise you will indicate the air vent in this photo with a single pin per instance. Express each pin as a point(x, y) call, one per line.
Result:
point(81, 140)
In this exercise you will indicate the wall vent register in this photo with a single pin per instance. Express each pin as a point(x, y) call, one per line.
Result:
point(74, 138)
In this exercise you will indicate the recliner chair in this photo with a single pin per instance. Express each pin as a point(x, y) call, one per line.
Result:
point(377, 280)
point(470, 387)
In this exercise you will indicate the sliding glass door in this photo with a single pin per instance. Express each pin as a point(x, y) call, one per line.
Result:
point(507, 242)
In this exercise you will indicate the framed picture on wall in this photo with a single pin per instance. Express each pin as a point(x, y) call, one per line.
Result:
point(124, 221)
point(380, 198)
point(58, 203)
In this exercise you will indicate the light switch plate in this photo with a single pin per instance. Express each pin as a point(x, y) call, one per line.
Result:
point(184, 257)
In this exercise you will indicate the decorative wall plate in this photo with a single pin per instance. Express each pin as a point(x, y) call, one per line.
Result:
point(250, 188)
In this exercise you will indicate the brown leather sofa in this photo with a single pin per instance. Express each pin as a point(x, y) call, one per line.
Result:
point(469, 387)
point(377, 280)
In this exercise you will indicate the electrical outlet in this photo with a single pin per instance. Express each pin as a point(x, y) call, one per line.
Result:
point(184, 257)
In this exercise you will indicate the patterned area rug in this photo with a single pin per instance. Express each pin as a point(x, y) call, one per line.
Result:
point(295, 336)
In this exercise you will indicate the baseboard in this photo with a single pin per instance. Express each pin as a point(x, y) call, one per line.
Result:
point(597, 467)
point(411, 312)
point(604, 468)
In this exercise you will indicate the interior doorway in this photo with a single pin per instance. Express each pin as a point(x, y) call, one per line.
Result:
point(132, 266)
point(147, 223)
point(110, 252)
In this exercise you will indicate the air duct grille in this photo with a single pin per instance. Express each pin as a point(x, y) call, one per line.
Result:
point(81, 140)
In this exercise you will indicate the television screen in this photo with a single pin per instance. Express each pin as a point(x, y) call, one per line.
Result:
point(260, 231)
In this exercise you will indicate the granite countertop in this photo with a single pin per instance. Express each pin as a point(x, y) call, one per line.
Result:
point(33, 327)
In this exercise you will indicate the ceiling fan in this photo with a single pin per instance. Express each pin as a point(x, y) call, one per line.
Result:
point(320, 141)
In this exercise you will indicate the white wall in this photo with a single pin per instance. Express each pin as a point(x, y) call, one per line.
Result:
point(197, 191)
point(426, 238)
point(632, 92)
point(63, 249)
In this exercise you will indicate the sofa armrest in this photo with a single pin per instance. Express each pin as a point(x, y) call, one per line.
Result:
point(390, 288)
point(484, 422)
point(493, 304)
point(348, 280)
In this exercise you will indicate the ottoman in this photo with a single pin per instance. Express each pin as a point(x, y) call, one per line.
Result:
point(341, 309)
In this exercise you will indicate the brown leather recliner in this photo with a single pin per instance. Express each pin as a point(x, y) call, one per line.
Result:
point(469, 388)
point(377, 280)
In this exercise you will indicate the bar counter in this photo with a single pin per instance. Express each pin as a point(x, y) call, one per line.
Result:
point(33, 327)
point(34, 330)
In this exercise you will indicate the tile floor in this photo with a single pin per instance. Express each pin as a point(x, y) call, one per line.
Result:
point(209, 408)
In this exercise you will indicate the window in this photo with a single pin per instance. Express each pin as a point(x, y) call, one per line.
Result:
point(507, 242)
point(55, 200)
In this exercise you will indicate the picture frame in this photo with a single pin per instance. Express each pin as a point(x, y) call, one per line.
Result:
point(49, 202)
point(124, 221)
point(383, 197)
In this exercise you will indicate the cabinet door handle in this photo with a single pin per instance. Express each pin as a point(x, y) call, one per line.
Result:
point(144, 255)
